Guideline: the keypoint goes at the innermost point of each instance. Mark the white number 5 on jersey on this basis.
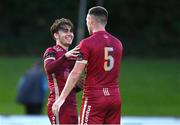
(108, 58)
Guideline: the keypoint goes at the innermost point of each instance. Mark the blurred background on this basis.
(149, 31)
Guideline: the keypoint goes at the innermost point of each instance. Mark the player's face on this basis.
(89, 23)
(65, 35)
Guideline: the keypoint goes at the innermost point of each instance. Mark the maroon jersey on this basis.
(101, 103)
(102, 52)
(57, 68)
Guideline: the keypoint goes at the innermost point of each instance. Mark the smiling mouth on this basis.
(69, 37)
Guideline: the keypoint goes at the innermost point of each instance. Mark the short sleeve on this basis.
(49, 54)
(84, 53)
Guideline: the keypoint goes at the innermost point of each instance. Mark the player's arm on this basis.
(51, 63)
(74, 76)
(80, 83)
(72, 79)
(70, 83)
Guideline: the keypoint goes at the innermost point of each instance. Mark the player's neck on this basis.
(63, 46)
(99, 28)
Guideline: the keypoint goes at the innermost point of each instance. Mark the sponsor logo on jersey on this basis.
(87, 115)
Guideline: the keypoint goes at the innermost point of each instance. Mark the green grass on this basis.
(148, 87)
(10, 71)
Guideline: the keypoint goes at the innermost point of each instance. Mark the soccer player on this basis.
(58, 62)
(101, 54)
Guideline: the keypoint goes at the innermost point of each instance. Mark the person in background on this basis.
(32, 88)
(58, 62)
(101, 54)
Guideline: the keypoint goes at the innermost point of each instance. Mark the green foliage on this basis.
(146, 28)
(27, 24)
(148, 87)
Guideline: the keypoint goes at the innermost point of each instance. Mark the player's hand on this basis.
(72, 53)
(57, 105)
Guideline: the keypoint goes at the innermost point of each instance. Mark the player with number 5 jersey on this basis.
(102, 53)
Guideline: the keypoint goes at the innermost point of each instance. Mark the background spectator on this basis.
(31, 90)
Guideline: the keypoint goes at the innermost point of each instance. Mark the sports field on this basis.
(149, 87)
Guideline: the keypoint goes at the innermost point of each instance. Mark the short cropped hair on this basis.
(100, 12)
(59, 23)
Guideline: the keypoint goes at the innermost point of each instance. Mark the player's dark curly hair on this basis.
(59, 23)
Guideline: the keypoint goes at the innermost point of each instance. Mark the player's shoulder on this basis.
(87, 40)
(49, 51)
(55, 48)
(115, 39)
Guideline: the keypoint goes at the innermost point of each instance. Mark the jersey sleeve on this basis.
(49, 55)
(84, 53)
(51, 62)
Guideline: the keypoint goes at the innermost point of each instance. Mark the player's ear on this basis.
(92, 20)
(55, 35)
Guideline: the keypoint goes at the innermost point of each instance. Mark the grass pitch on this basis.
(148, 86)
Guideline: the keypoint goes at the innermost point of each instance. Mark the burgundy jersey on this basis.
(102, 52)
(57, 68)
(101, 103)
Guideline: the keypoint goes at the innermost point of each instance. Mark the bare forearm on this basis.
(70, 83)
